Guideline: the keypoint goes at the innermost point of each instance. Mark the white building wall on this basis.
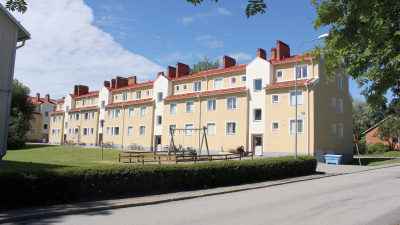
(46, 119)
(105, 96)
(160, 85)
(67, 106)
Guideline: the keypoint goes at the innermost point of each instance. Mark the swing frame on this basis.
(172, 143)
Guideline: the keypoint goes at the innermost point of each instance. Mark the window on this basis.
(333, 79)
(299, 97)
(218, 83)
(69, 131)
(340, 105)
(197, 86)
(279, 74)
(177, 87)
(124, 96)
(173, 108)
(257, 114)
(142, 130)
(116, 113)
(85, 131)
(211, 105)
(92, 115)
(257, 84)
(83, 102)
(109, 113)
(91, 131)
(230, 128)
(70, 116)
(184, 87)
(67, 108)
(334, 128)
(34, 120)
(301, 71)
(130, 131)
(76, 116)
(93, 101)
(211, 129)
(243, 79)
(143, 111)
(274, 98)
(65, 125)
(233, 80)
(188, 132)
(293, 127)
(131, 112)
(159, 120)
(190, 107)
(171, 126)
(76, 131)
(339, 81)
(116, 97)
(115, 131)
(53, 132)
(159, 96)
(333, 102)
(32, 131)
(340, 130)
(86, 116)
(108, 130)
(46, 113)
(147, 93)
(103, 103)
(60, 106)
(138, 94)
(275, 126)
(231, 103)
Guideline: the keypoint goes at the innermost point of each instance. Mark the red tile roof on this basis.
(208, 72)
(130, 102)
(150, 82)
(35, 101)
(288, 59)
(58, 111)
(290, 83)
(88, 94)
(60, 100)
(83, 108)
(206, 93)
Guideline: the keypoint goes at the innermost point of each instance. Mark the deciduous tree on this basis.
(389, 131)
(16, 5)
(204, 65)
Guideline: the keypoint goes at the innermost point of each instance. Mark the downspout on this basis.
(199, 116)
(80, 126)
(123, 123)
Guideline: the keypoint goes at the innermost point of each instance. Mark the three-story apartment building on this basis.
(40, 123)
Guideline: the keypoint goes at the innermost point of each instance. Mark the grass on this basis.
(375, 161)
(386, 154)
(37, 156)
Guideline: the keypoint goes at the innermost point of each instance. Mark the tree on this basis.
(20, 115)
(253, 6)
(364, 41)
(389, 131)
(362, 117)
(205, 65)
(19, 5)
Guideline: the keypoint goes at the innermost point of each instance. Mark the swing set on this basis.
(172, 131)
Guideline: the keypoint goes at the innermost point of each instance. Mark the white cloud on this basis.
(241, 56)
(213, 13)
(175, 57)
(210, 41)
(67, 49)
(186, 20)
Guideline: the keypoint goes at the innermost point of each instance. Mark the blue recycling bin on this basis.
(335, 159)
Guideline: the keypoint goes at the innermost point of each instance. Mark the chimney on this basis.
(112, 83)
(261, 53)
(228, 62)
(282, 50)
(273, 53)
(171, 71)
(182, 69)
(47, 97)
(121, 82)
(131, 80)
(160, 74)
(38, 96)
(81, 89)
(106, 83)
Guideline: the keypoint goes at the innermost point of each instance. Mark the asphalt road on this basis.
(370, 197)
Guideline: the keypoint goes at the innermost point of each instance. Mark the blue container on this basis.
(335, 159)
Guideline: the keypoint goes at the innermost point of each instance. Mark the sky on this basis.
(89, 41)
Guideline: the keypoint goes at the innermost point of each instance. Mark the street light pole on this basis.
(295, 92)
(102, 137)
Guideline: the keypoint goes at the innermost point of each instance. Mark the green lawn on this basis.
(386, 154)
(375, 161)
(36, 156)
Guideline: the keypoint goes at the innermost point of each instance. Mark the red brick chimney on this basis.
(47, 98)
(106, 83)
(282, 50)
(182, 69)
(171, 71)
(81, 90)
(121, 82)
(228, 62)
(132, 80)
(160, 74)
(112, 83)
(38, 96)
(261, 53)
(273, 53)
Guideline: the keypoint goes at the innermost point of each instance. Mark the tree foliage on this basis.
(362, 116)
(253, 7)
(204, 65)
(16, 5)
(389, 131)
(20, 116)
(364, 41)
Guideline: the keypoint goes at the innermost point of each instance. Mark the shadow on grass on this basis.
(368, 161)
(14, 166)
(30, 146)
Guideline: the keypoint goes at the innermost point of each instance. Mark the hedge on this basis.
(27, 188)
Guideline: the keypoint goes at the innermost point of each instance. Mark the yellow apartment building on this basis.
(40, 123)
(250, 105)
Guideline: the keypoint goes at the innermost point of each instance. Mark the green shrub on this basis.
(378, 148)
(362, 147)
(25, 188)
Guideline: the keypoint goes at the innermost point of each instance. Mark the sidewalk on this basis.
(324, 170)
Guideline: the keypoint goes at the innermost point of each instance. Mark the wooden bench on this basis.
(81, 144)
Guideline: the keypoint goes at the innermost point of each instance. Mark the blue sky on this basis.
(87, 42)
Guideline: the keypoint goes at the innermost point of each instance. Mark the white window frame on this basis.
(65, 124)
(91, 131)
(32, 129)
(340, 81)
(226, 127)
(215, 105)
(113, 131)
(277, 74)
(147, 92)
(140, 130)
(333, 128)
(158, 123)
(243, 80)
(340, 103)
(272, 126)
(115, 97)
(54, 119)
(194, 85)
(233, 80)
(85, 131)
(114, 113)
(76, 117)
(127, 131)
(177, 87)
(93, 101)
(108, 130)
(91, 115)
(272, 98)
(189, 132)
(254, 84)
(184, 87)
(254, 115)
(186, 107)
(76, 131)
(301, 73)
(215, 131)
(102, 104)
(86, 116)
(221, 85)
(83, 102)
(138, 95)
(109, 113)
(141, 110)
(131, 111)
(298, 121)
(227, 102)
(340, 130)
(333, 102)
(169, 127)
(159, 96)
(35, 120)
(125, 96)
(298, 102)
(170, 108)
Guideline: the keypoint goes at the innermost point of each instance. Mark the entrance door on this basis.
(157, 143)
(65, 138)
(257, 144)
(45, 138)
